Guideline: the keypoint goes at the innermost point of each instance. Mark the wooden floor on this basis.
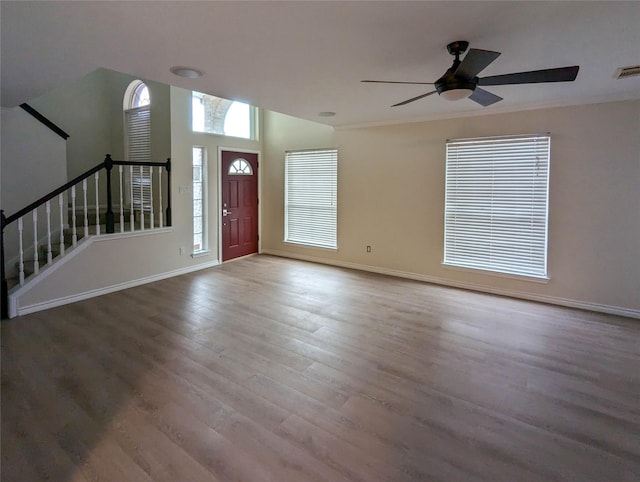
(271, 369)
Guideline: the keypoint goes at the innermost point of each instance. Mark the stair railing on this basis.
(70, 186)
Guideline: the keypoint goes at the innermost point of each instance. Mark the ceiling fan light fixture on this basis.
(450, 88)
(456, 94)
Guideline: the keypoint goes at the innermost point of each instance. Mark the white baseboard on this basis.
(554, 300)
(23, 310)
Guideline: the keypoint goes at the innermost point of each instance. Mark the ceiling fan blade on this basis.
(414, 99)
(562, 74)
(396, 82)
(474, 62)
(483, 97)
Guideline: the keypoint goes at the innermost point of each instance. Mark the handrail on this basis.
(107, 164)
(139, 163)
(27, 108)
(52, 194)
(56, 192)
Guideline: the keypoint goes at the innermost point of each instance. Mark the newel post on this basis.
(110, 221)
(5, 289)
(168, 215)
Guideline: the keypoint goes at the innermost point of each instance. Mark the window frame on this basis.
(306, 233)
(496, 208)
(204, 249)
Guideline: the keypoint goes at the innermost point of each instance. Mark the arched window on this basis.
(240, 167)
(137, 130)
(136, 95)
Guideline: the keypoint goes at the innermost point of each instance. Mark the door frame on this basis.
(219, 196)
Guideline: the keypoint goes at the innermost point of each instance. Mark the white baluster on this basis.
(86, 216)
(49, 254)
(160, 170)
(131, 219)
(97, 176)
(36, 265)
(141, 173)
(121, 204)
(21, 264)
(151, 197)
(74, 233)
(61, 204)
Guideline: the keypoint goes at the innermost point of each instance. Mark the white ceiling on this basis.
(301, 58)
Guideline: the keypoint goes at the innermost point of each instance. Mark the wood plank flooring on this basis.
(267, 369)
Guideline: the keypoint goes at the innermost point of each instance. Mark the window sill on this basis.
(314, 246)
(519, 277)
(200, 254)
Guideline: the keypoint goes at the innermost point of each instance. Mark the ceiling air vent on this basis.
(624, 72)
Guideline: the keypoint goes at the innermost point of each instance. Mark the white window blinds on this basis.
(496, 204)
(138, 122)
(311, 184)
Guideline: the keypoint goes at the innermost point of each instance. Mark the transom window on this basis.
(240, 167)
(215, 115)
(496, 204)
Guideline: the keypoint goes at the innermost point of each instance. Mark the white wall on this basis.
(80, 109)
(116, 85)
(182, 141)
(90, 110)
(29, 147)
(33, 164)
(391, 196)
(108, 264)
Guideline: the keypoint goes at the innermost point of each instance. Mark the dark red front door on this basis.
(239, 204)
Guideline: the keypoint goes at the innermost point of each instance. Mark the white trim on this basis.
(311, 246)
(201, 253)
(497, 274)
(110, 289)
(219, 189)
(600, 99)
(16, 292)
(133, 234)
(553, 300)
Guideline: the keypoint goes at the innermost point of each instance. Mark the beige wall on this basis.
(391, 196)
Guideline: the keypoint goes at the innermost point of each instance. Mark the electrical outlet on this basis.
(182, 251)
(368, 249)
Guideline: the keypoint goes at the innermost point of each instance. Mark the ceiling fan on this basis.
(461, 80)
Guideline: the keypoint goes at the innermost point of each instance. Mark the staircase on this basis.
(45, 259)
(83, 219)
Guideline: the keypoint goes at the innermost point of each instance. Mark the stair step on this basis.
(91, 217)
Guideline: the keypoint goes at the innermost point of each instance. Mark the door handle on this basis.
(225, 212)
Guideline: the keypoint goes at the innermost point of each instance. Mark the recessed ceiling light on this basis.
(326, 114)
(188, 72)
